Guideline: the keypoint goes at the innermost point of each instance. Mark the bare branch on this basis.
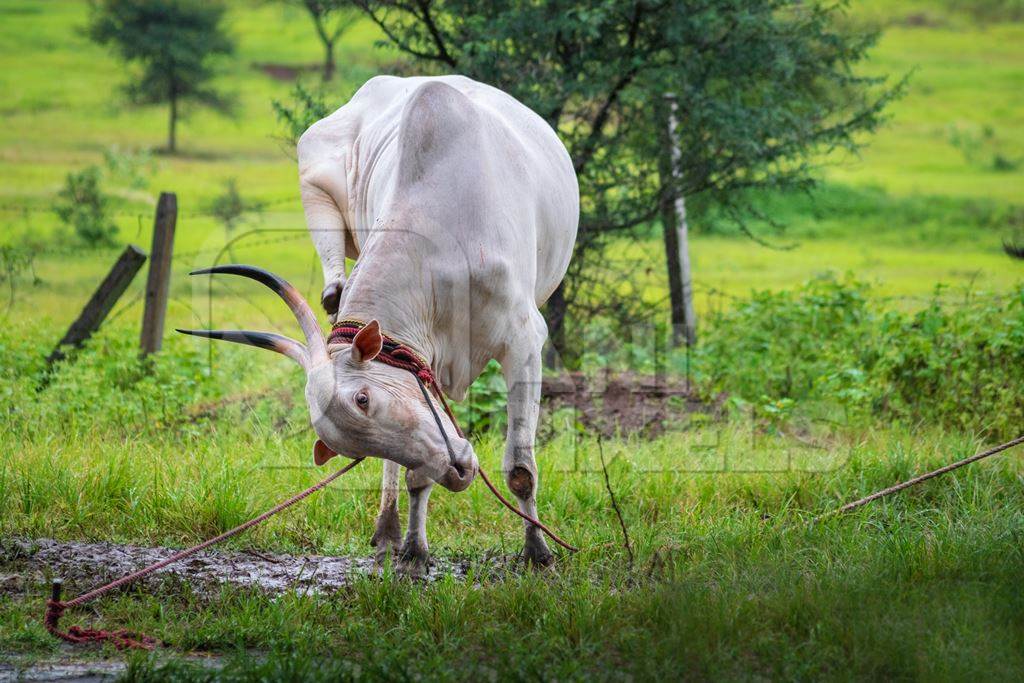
(615, 505)
(428, 21)
(370, 12)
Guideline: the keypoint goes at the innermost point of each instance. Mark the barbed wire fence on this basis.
(718, 301)
(183, 261)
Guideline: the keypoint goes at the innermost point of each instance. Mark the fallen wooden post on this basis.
(159, 280)
(103, 299)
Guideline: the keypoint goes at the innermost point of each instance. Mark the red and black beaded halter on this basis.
(401, 356)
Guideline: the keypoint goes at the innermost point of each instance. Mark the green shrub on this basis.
(106, 386)
(306, 108)
(16, 260)
(957, 363)
(484, 407)
(230, 208)
(83, 205)
(133, 168)
(983, 149)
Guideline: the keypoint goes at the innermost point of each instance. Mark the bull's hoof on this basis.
(413, 561)
(536, 553)
(330, 298)
(387, 536)
(384, 548)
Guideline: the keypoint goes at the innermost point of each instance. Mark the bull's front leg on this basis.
(414, 557)
(522, 370)
(327, 230)
(387, 533)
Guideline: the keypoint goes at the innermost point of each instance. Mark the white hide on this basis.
(461, 206)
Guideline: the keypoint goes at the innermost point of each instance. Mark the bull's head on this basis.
(358, 407)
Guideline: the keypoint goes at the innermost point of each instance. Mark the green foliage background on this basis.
(888, 337)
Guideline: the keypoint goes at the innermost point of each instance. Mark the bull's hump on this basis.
(437, 121)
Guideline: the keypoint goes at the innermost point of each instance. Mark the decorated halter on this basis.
(401, 356)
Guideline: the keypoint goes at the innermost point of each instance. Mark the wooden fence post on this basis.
(158, 282)
(103, 299)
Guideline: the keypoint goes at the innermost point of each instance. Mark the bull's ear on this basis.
(322, 453)
(367, 343)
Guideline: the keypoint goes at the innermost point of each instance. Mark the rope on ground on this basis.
(122, 639)
(918, 479)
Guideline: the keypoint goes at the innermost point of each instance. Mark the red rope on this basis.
(397, 354)
(126, 639)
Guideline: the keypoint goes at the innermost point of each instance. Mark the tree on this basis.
(175, 43)
(331, 18)
(764, 88)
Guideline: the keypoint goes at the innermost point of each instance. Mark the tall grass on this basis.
(730, 579)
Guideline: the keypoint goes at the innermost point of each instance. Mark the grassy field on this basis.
(729, 578)
(912, 211)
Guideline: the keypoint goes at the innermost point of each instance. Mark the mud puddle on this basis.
(71, 669)
(83, 565)
(65, 671)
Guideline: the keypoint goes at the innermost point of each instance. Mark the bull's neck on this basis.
(383, 287)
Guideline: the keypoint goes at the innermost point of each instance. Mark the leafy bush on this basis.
(15, 261)
(957, 363)
(106, 385)
(84, 206)
(131, 167)
(983, 149)
(230, 208)
(484, 407)
(306, 108)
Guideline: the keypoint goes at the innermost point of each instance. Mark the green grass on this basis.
(729, 582)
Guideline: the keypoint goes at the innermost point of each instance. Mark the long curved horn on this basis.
(315, 344)
(264, 340)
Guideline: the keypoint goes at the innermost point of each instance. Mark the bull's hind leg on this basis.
(522, 370)
(414, 557)
(387, 534)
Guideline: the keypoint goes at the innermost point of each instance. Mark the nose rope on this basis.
(440, 425)
(399, 355)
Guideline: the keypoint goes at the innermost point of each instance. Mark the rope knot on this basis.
(425, 375)
(54, 611)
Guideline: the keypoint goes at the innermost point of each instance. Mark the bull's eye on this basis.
(362, 400)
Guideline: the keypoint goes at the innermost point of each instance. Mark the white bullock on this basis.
(459, 206)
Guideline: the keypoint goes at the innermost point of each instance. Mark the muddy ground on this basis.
(63, 670)
(628, 403)
(28, 563)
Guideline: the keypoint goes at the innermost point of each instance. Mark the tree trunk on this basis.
(172, 124)
(675, 282)
(676, 237)
(329, 63)
(554, 315)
